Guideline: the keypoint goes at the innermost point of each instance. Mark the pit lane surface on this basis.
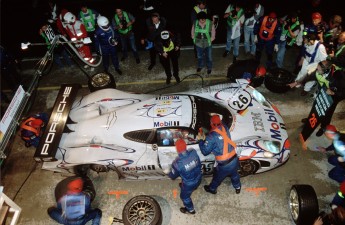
(264, 197)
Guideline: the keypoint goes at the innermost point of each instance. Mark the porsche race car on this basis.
(134, 134)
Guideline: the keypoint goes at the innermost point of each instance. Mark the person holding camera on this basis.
(123, 23)
(234, 16)
(290, 31)
(337, 56)
(332, 33)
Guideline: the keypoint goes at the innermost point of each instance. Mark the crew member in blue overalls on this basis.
(339, 198)
(188, 166)
(107, 39)
(219, 142)
(337, 160)
(32, 129)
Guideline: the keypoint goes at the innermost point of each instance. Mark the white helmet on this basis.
(69, 18)
(103, 23)
(165, 35)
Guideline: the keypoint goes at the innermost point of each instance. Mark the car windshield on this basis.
(204, 109)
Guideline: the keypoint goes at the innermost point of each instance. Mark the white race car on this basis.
(134, 134)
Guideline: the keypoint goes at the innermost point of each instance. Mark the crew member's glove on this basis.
(276, 48)
(201, 136)
(166, 171)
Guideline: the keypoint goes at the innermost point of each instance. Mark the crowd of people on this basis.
(320, 62)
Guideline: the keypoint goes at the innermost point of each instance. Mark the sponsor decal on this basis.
(161, 111)
(173, 97)
(194, 112)
(257, 122)
(274, 128)
(166, 123)
(138, 168)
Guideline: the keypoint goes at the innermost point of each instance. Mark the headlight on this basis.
(260, 98)
(271, 147)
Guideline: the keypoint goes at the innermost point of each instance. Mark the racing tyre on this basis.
(142, 210)
(276, 80)
(303, 204)
(248, 167)
(101, 81)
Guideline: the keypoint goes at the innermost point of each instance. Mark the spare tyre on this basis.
(303, 205)
(142, 209)
(101, 81)
(276, 80)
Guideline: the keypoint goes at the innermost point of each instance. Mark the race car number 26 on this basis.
(240, 101)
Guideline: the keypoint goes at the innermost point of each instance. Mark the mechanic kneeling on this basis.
(32, 129)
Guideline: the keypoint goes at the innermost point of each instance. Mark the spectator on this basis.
(235, 18)
(337, 160)
(89, 17)
(200, 6)
(75, 206)
(203, 34)
(314, 52)
(123, 23)
(188, 166)
(155, 25)
(288, 37)
(259, 11)
(337, 56)
(332, 33)
(219, 142)
(106, 39)
(168, 48)
(248, 31)
(318, 27)
(268, 31)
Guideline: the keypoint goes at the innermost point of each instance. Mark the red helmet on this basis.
(260, 71)
(215, 120)
(330, 129)
(316, 16)
(272, 15)
(75, 186)
(180, 145)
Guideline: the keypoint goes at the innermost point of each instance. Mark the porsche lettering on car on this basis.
(134, 134)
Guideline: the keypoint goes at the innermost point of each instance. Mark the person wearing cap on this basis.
(313, 53)
(74, 207)
(32, 128)
(290, 31)
(337, 160)
(154, 26)
(219, 143)
(249, 69)
(203, 34)
(123, 22)
(168, 49)
(187, 165)
(339, 198)
(268, 31)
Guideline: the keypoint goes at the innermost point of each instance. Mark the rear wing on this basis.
(50, 139)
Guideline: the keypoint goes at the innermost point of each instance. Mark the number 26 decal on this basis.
(240, 101)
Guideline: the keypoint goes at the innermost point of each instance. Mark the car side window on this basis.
(168, 136)
(165, 137)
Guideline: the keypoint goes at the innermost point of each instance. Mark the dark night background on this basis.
(21, 20)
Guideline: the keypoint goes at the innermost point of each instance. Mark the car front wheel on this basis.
(248, 167)
(101, 81)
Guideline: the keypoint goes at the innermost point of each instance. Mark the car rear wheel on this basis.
(248, 167)
(99, 168)
(276, 80)
(101, 81)
(303, 204)
(142, 210)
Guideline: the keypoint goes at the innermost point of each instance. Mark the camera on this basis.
(331, 47)
(320, 28)
(124, 23)
(288, 24)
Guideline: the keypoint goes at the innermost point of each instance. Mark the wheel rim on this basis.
(100, 80)
(294, 205)
(141, 213)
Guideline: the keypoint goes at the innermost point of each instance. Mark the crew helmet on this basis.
(316, 16)
(69, 18)
(103, 23)
(260, 71)
(36, 123)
